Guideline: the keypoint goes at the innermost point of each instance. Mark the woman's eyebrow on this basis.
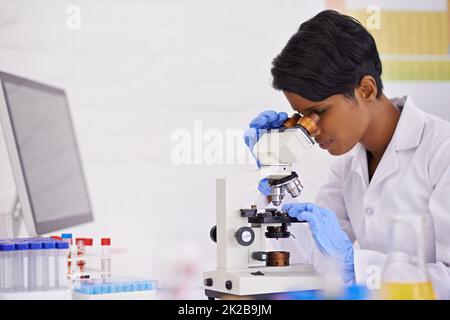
(312, 107)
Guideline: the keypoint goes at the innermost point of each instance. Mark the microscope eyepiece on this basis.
(309, 124)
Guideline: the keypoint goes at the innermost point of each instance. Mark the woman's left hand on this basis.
(327, 232)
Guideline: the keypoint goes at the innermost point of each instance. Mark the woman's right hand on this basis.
(268, 119)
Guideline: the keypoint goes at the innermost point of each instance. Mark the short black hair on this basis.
(329, 54)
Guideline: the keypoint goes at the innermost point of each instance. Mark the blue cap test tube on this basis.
(33, 264)
(19, 265)
(35, 271)
(48, 263)
(68, 237)
(61, 268)
(6, 266)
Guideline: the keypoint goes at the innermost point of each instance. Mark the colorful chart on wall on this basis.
(412, 36)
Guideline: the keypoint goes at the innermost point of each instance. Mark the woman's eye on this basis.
(321, 111)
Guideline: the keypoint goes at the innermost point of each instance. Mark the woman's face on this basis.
(342, 121)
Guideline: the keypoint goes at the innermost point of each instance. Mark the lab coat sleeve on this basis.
(439, 207)
(330, 196)
(369, 264)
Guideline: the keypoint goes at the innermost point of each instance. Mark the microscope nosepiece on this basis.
(290, 184)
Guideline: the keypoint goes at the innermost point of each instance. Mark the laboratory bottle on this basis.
(405, 275)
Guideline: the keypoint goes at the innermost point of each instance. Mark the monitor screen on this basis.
(48, 153)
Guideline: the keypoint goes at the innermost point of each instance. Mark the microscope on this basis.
(244, 267)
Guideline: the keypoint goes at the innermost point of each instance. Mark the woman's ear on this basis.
(367, 90)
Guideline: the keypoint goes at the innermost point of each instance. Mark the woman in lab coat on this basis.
(393, 157)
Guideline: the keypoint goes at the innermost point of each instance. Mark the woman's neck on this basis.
(384, 119)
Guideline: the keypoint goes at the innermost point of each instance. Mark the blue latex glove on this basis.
(264, 187)
(327, 232)
(268, 119)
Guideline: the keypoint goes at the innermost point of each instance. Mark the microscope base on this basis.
(259, 281)
(212, 295)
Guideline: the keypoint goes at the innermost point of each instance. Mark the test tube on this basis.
(2, 271)
(35, 271)
(67, 237)
(80, 254)
(48, 263)
(106, 258)
(62, 249)
(88, 242)
(6, 265)
(21, 266)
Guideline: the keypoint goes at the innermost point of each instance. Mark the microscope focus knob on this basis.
(259, 255)
(245, 236)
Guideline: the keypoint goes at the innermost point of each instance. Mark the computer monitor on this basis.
(43, 154)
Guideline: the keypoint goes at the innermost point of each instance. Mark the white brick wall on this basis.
(134, 72)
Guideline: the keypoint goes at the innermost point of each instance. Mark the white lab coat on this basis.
(413, 177)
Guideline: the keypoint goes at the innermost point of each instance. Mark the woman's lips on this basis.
(324, 144)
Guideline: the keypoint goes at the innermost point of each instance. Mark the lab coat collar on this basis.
(406, 136)
(410, 126)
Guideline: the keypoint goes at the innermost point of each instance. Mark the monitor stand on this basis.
(11, 220)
